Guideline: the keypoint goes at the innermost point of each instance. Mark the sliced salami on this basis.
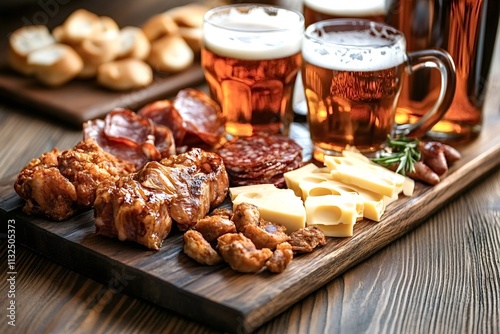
(131, 137)
(260, 159)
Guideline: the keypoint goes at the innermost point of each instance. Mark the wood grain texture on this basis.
(219, 296)
(441, 278)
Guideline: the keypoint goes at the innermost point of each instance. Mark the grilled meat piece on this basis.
(141, 206)
(58, 184)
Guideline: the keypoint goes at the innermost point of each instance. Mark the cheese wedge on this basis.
(235, 191)
(331, 209)
(365, 175)
(372, 204)
(280, 206)
(293, 178)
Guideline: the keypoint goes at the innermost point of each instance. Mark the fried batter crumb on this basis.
(199, 249)
(241, 254)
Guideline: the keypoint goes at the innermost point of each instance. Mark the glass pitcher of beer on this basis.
(352, 75)
(467, 30)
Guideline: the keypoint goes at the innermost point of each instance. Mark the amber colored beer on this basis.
(255, 95)
(350, 108)
(467, 30)
(351, 91)
(250, 65)
(319, 10)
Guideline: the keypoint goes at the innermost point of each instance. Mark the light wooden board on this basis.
(218, 296)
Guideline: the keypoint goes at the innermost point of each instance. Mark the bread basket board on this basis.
(218, 296)
(81, 100)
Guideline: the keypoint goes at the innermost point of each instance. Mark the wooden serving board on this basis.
(81, 100)
(218, 296)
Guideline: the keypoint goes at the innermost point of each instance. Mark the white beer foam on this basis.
(348, 8)
(276, 37)
(370, 53)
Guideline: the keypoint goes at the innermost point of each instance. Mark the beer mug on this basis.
(251, 55)
(467, 30)
(320, 10)
(352, 75)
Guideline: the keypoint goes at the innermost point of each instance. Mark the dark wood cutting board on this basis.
(218, 296)
(81, 100)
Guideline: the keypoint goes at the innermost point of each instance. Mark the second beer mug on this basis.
(352, 73)
(251, 57)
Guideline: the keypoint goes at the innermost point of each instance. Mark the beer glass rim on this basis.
(210, 13)
(396, 35)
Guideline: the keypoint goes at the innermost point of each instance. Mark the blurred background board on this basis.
(81, 100)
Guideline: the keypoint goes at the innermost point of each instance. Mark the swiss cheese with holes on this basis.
(280, 206)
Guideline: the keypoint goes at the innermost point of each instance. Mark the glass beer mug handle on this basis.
(442, 61)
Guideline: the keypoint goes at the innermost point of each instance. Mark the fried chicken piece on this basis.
(199, 249)
(212, 227)
(58, 184)
(129, 211)
(200, 182)
(245, 214)
(265, 234)
(141, 206)
(240, 253)
(280, 259)
(305, 240)
(45, 190)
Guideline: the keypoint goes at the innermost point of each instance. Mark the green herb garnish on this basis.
(402, 152)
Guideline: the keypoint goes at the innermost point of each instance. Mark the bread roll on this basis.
(25, 40)
(124, 74)
(159, 26)
(81, 24)
(190, 15)
(170, 54)
(133, 43)
(55, 64)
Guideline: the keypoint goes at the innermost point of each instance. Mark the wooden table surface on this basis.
(442, 277)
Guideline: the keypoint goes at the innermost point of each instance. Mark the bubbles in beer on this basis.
(367, 50)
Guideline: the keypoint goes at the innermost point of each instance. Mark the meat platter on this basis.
(218, 296)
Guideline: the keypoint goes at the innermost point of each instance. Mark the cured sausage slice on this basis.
(194, 118)
(260, 159)
(131, 137)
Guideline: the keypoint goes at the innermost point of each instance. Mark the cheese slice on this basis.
(331, 209)
(279, 206)
(365, 175)
(293, 178)
(369, 204)
(235, 191)
(339, 230)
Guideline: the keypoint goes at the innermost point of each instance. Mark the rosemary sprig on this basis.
(402, 152)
